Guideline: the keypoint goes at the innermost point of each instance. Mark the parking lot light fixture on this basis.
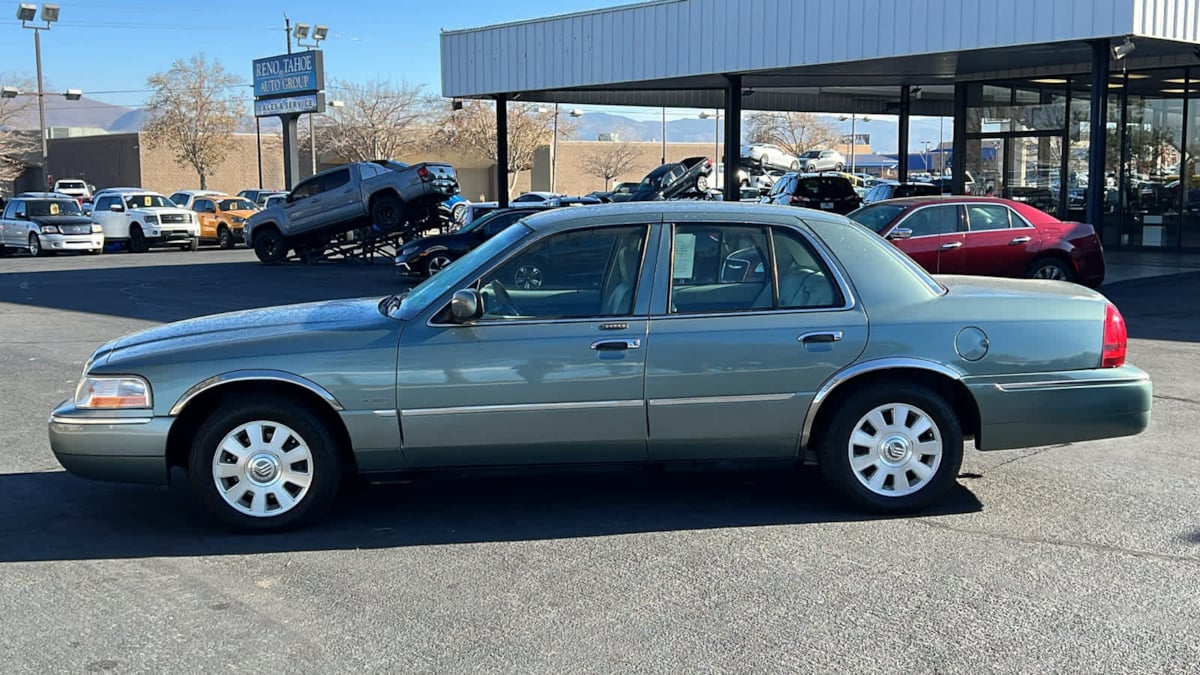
(49, 13)
(26, 12)
(9, 92)
(73, 94)
(301, 31)
(319, 32)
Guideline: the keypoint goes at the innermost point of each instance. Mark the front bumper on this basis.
(126, 446)
(72, 242)
(409, 267)
(1022, 411)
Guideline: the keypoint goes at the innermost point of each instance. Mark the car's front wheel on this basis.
(387, 212)
(436, 263)
(35, 246)
(264, 464)
(892, 448)
(269, 246)
(137, 240)
(224, 237)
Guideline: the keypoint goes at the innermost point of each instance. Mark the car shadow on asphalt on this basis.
(167, 293)
(1159, 308)
(56, 516)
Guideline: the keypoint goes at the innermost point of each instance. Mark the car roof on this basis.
(625, 213)
(198, 193)
(44, 195)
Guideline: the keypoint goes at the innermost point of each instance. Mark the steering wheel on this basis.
(504, 303)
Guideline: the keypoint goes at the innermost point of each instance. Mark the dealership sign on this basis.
(289, 84)
(290, 105)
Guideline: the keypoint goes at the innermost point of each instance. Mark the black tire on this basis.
(436, 262)
(839, 166)
(35, 246)
(95, 251)
(224, 237)
(833, 447)
(137, 240)
(5, 251)
(269, 246)
(1050, 267)
(193, 245)
(323, 467)
(387, 213)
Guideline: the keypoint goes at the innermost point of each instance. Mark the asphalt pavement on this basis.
(1075, 558)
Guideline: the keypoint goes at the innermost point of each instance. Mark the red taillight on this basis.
(1116, 338)
(423, 173)
(797, 199)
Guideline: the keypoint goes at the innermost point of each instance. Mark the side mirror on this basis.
(21, 216)
(900, 233)
(466, 305)
(116, 207)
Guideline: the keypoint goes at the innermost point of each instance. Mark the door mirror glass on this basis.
(466, 305)
(900, 233)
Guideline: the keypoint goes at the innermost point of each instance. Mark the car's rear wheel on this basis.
(224, 237)
(1049, 268)
(264, 464)
(137, 240)
(795, 166)
(459, 213)
(892, 448)
(387, 213)
(436, 263)
(269, 246)
(701, 183)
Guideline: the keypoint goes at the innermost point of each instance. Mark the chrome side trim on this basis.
(250, 376)
(62, 419)
(1065, 384)
(520, 407)
(850, 372)
(693, 400)
(384, 413)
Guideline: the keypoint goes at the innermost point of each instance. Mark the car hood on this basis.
(250, 325)
(244, 213)
(60, 220)
(271, 213)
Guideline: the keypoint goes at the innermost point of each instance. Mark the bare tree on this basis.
(377, 120)
(194, 111)
(473, 129)
(795, 132)
(610, 159)
(16, 144)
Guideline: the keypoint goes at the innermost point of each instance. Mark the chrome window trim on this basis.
(64, 419)
(848, 299)
(251, 376)
(848, 373)
(748, 398)
(521, 407)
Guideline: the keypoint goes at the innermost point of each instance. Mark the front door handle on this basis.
(1019, 240)
(951, 246)
(821, 336)
(616, 345)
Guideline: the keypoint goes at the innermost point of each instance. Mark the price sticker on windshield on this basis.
(685, 256)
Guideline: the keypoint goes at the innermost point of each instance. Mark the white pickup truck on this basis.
(141, 219)
(346, 198)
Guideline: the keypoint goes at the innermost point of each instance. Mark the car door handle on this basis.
(951, 245)
(615, 345)
(1019, 240)
(821, 336)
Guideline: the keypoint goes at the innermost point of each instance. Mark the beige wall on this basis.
(239, 171)
(572, 179)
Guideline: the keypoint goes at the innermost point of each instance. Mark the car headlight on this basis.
(49, 229)
(151, 219)
(409, 250)
(96, 229)
(124, 391)
(238, 219)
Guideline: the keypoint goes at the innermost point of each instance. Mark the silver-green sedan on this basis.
(625, 333)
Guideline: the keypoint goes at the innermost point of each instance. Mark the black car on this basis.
(430, 255)
(896, 190)
(674, 180)
(814, 191)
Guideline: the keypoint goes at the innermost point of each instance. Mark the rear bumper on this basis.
(1064, 407)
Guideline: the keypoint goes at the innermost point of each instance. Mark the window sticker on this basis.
(685, 255)
(53, 209)
(146, 200)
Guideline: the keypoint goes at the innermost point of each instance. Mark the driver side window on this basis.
(577, 274)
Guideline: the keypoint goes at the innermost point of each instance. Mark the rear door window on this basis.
(983, 217)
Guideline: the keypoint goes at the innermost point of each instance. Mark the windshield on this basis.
(149, 202)
(55, 207)
(481, 221)
(71, 185)
(236, 205)
(663, 175)
(458, 275)
(877, 216)
(811, 154)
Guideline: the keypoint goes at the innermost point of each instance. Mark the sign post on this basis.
(288, 86)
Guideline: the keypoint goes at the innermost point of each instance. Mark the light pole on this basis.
(716, 135)
(664, 135)
(927, 144)
(576, 112)
(26, 13)
(853, 136)
(319, 33)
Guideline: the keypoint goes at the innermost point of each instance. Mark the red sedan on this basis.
(987, 236)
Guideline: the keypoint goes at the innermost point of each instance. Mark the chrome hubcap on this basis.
(438, 263)
(527, 277)
(895, 449)
(1050, 272)
(262, 468)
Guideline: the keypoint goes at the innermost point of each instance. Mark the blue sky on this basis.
(108, 48)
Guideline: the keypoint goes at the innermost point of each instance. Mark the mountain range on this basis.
(884, 131)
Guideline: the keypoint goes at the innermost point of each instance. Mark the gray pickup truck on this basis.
(346, 198)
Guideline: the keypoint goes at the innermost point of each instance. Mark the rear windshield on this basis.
(825, 187)
(877, 216)
(915, 191)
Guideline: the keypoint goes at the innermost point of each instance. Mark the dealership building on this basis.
(1088, 109)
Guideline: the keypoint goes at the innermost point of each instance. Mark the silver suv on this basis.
(815, 161)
